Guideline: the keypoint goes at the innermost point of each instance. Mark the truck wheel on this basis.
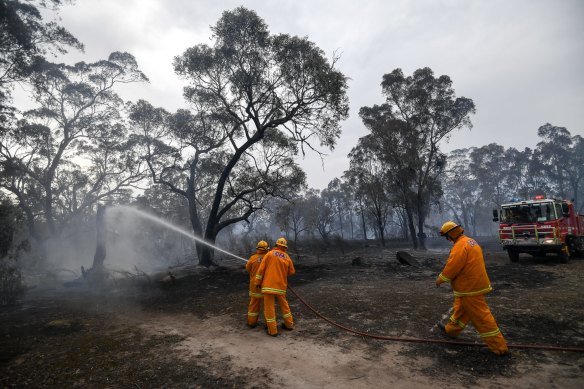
(576, 246)
(513, 255)
(572, 244)
(580, 251)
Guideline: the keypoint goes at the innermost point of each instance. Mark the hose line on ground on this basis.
(425, 340)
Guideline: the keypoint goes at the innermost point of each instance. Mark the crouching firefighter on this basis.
(272, 280)
(255, 297)
(466, 272)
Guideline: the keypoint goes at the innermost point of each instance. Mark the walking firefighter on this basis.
(272, 279)
(466, 272)
(255, 297)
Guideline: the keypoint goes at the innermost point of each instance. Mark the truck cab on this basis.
(540, 226)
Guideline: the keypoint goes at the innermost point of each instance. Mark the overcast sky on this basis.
(521, 61)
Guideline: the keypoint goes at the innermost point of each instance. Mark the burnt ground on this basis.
(146, 333)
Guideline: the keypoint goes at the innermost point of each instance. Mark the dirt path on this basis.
(292, 360)
(298, 360)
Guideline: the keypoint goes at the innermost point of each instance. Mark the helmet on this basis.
(450, 226)
(262, 245)
(282, 242)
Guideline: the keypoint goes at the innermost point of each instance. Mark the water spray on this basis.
(172, 227)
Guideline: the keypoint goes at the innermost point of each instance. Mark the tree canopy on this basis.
(70, 151)
(420, 111)
(25, 40)
(256, 101)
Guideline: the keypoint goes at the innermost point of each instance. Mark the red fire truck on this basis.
(540, 226)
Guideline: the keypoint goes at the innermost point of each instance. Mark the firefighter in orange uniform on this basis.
(255, 297)
(466, 272)
(272, 280)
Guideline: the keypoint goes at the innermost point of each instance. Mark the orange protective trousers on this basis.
(253, 310)
(270, 312)
(474, 309)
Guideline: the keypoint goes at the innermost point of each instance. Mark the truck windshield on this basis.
(528, 213)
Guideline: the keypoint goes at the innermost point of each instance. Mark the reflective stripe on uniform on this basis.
(457, 322)
(259, 277)
(287, 315)
(273, 290)
(253, 314)
(271, 320)
(256, 295)
(443, 278)
(492, 333)
(475, 293)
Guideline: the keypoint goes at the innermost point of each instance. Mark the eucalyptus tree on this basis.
(517, 177)
(70, 151)
(357, 201)
(421, 111)
(187, 154)
(554, 149)
(562, 158)
(460, 186)
(393, 145)
(491, 168)
(370, 177)
(350, 205)
(340, 195)
(25, 39)
(319, 216)
(257, 100)
(293, 218)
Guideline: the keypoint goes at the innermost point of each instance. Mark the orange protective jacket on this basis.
(252, 267)
(273, 272)
(465, 269)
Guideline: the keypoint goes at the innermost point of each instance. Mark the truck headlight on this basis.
(549, 241)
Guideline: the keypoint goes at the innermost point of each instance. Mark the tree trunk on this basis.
(421, 233)
(206, 255)
(100, 248)
(352, 224)
(196, 225)
(96, 276)
(381, 232)
(410, 222)
(364, 225)
(421, 220)
(207, 251)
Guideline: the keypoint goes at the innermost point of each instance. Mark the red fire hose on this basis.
(423, 340)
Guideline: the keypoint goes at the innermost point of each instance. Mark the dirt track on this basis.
(191, 333)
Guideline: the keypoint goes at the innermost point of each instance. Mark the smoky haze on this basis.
(133, 245)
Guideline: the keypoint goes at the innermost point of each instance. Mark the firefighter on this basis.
(255, 297)
(465, 271)
(272, 280)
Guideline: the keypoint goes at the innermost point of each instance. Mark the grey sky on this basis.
(520, 61)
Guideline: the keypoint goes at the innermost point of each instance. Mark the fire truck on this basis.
(540, 226)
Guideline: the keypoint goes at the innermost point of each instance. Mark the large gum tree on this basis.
(71, 150)
(419, 113)
(256, 101)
